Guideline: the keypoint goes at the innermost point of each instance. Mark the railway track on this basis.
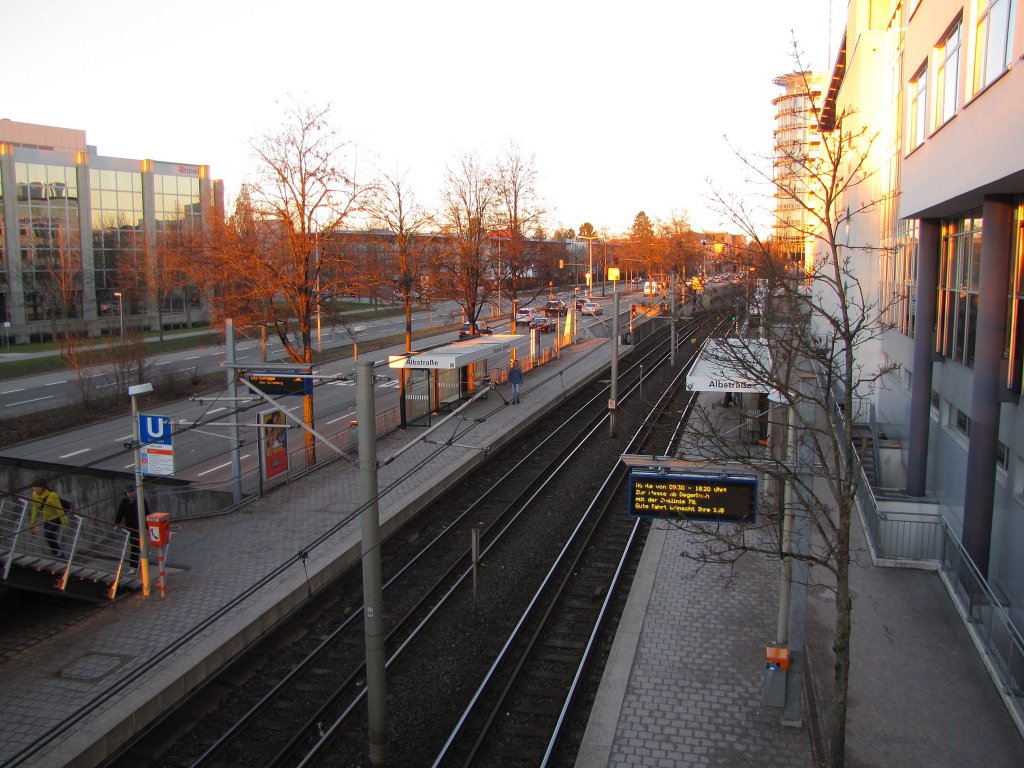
(298, 698)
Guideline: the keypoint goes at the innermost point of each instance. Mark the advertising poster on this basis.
(274, 441)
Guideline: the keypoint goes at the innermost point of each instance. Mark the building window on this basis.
(49, 240)
(962, 422)
(1014, 351)
(947, 76)
(118, 245)
(917, 109)
(959, 272)
(992, 41)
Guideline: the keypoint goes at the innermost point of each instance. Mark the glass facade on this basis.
(959, 271)
(177, 207)
(1015, 306)
(899, 279)
(118, 245)
(50, 241)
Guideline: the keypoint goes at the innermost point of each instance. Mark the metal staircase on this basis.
(97, 551)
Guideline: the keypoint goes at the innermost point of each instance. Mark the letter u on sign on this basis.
(154, 429)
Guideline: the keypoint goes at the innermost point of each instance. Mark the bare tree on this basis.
(274, 261)
(521, 212)
(395, 209)
(817, 319)
(469, 213)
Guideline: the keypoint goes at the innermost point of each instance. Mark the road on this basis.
(201, 429)
(19, 397)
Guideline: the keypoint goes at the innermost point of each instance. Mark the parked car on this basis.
(555, 307)
(482, 329)
(525, 315)
(592, 308)
(544, 324)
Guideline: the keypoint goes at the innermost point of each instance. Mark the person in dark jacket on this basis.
(515, 376)
(128, 516)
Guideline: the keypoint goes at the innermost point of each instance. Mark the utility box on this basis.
(159, 525)
(776, 668)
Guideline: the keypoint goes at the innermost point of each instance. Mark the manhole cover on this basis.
(92, 667)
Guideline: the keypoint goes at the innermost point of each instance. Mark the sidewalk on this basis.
(683, 685)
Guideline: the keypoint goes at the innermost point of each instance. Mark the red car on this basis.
(544, 324)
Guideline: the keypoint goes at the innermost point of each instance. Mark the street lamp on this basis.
(120, 310)
(134, 392)
(590, 245)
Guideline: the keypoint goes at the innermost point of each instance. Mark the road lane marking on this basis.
(227, 464)
(62, 381)
(342, 418)
(12, 391)
(122, 439)
(33, 400)
(75, 453)
(194, 357)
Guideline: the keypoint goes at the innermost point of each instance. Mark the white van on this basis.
(651, 288)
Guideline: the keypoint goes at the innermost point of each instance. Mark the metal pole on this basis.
(672, 321)
(792, 712)
(612, 405)
(590, 242)
(236, 459)
(140, 502)
(373, 619)
(782, 625)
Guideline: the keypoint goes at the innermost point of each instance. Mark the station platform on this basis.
(681, 688)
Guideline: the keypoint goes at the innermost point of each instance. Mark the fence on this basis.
(987, 620)
(343, 437)
(95, 552)
(925, 537)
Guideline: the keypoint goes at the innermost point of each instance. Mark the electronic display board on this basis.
(285, 383)
(714, 498)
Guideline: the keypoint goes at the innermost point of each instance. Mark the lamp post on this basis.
(590, 246)
(134, 392)
(613, 394)
(120, 309)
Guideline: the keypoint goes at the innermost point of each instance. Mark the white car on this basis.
(525, 315)
(591, 308)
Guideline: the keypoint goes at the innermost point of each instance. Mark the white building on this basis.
(939, 84)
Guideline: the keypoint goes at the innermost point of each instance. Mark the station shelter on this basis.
(439, 379)
(739, 369)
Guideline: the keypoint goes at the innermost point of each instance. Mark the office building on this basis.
(87, 240)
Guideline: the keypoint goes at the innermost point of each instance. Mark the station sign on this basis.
(156, 447)
(699, 497)
(282, 383)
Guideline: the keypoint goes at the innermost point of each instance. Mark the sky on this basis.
(623, 107)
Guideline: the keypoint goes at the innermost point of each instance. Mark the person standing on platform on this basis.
(47, 507)
(515, 376)
(128, 516)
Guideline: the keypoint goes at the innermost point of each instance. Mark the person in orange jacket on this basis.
(46, 506)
